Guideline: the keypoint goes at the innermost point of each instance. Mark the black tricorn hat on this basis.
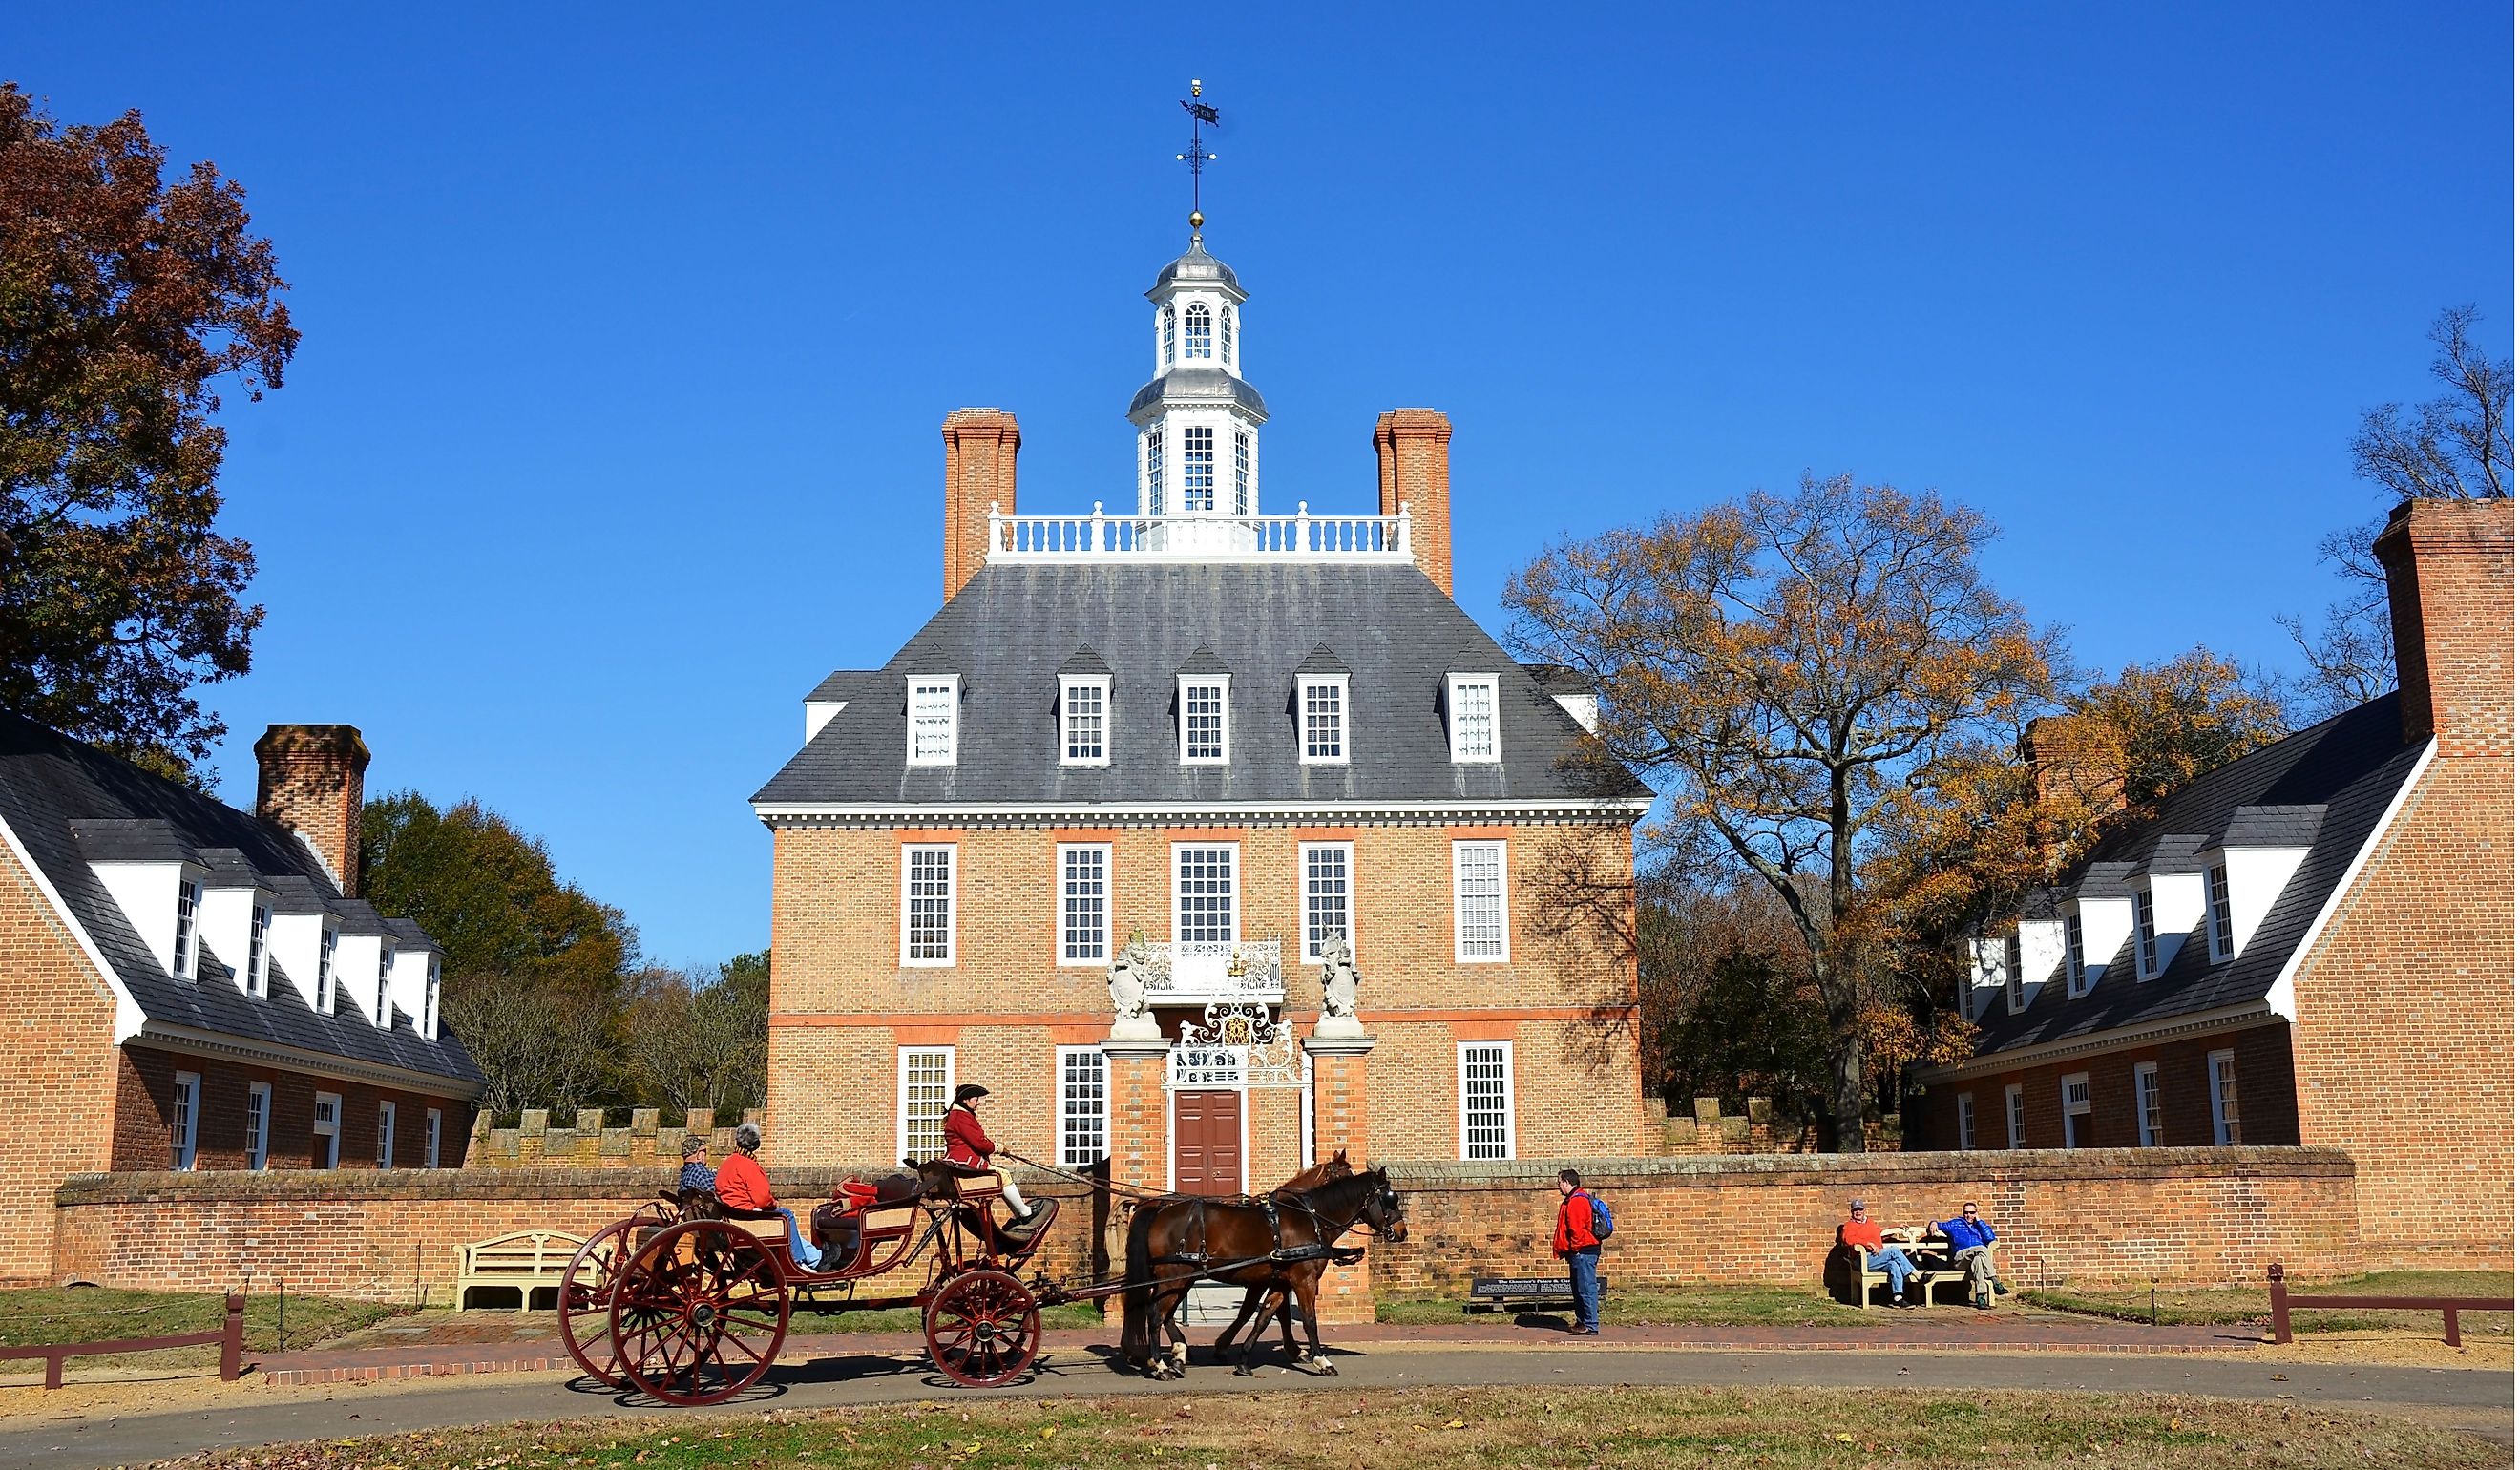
(968, 1091)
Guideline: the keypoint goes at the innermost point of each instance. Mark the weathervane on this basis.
(1201, 116)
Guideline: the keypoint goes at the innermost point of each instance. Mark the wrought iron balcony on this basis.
(1194, 972)
(1197, 536)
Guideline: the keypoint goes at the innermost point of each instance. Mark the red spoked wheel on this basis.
(586, 1301)
(698, 1313)
(983, 1328)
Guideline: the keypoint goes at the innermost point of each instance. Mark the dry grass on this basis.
(2215, 1304)
(1459, 1429)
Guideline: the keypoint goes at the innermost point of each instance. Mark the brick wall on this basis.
(2091, 1216)
(2260, 1053)
(57, 1052)
(144, 1113)
(312, 778)
(1414, 465)
(396, 1234)
(588, 1145)
(980, 447)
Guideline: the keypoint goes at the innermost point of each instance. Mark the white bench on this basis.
(1921, 1283)
(529, 1263)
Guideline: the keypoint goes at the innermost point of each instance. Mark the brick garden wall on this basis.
(2091, 1215)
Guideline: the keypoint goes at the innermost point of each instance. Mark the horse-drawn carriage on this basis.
(689, 1306)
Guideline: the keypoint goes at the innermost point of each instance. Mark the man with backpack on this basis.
(1583, 1222)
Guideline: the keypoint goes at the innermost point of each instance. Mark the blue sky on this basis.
(628, 329)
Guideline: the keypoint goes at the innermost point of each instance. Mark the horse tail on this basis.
(1136, 1329)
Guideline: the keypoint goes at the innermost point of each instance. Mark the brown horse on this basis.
(1176, 1243)
(1335, 1167)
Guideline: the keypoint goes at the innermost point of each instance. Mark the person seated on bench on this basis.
(697, 1178)
(1973, 1251)
(745, 1190)
(967, 1147)
(1860, 1235)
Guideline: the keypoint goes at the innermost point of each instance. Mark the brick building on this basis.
(185, 986)
(1201, 743)
(2312, 944)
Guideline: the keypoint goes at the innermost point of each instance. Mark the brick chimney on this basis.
(2449, 614)
(2069, 761)
(980, 445)
(313, 781)
(1414, 460)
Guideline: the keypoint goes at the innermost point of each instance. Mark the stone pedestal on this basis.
(1339, 1122)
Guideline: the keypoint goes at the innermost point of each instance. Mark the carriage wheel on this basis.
(983, 1328)
(586, 1302)
(698, 1313)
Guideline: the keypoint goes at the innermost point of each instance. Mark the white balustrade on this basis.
(1185, 970)
(1200, 537)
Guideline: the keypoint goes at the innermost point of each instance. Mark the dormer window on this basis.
(1199, 468)
(935, 702)
(2217, 911)
(1325, 707)
(384, 986)
(2012, 989)
(1473, 705)
(1164, 321)
(257, 953)
(1241, 472)
(323, 976)
(187, 909)
(1225, 334)
(2148, 947)
(2077, 979)
(428, 1002)
(1084, 720)
(1197, 340)
(1154, 471)
(1205, 738)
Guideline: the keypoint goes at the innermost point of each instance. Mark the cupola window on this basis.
(1154, 471)
(1165, 318)
(1225, 334)
(1196, 340)
(1199, 468)
(1241, 472)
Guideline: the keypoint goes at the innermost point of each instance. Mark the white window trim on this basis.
(1461, 1097)
(2016, 987)
(1505, 905)
(953, 687)
(2217, 1065)
(1968, 1111)
(1312, 955)
(384, 984)
(257, 949)
(185, 1114)
(2078, 968)
(1068, 683)
(328, 970)
(1232, 890)
(1058, 1111)
(2071, 1110)
(2217, 930)
(430, 996)
(188, 929)
(953, 904)
(901, 1091)
(1059, 882)
(1452, 686)
(2147, 1134)
(386, 1111)
(2147, 936)
(328, 1135)
(1224, 719)
(1304, 687)
(2017, 1117)
(257, 1133)
(433, 1130)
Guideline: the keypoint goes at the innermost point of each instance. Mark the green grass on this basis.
(2221, 1305)
(1451, 1429)
(95, 1314)
(1660, 1307)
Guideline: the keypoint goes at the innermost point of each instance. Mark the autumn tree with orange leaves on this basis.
(1790, 671)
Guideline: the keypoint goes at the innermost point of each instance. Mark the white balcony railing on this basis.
(1187, 971)
(1194, 537)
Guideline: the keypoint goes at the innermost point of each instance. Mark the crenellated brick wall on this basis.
(586, 1143)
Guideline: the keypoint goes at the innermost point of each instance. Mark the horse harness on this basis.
(1320, 1248)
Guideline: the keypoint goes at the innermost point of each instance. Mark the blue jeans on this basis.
(806, 1256)
(1894, 1260)
(1584, 1267)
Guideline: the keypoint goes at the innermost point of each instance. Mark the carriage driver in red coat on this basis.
(967, 1147)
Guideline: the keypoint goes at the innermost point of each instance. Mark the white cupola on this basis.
(1198, 421)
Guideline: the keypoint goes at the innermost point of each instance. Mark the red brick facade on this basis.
(980, 447)
(1414, 465)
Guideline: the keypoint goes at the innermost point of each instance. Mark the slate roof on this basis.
(1012, 626)
(2351, 766)
(67, 801)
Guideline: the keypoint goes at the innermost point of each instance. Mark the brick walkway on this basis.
(1909, 1332)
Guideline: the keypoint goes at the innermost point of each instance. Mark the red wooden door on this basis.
(1207, 1142)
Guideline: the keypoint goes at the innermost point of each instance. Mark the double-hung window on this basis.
(1479, 930)
(1085, 903)
(1206, 740)
(2147, 948)
(927, 1091)
(1241, 472)
(328, 1131)
(2078, 981)
(185, 1118)
(1154, 471)
(325, 981)
(1473, 708)
(428, 994)
(1165, 320)
(257, 1125)
(1969, 1121)
(2013, 991)
(1225, 334)
(2016, 1118)
(1199, 468)
(2147, 1104)
(2078, 1109)
(928, 903)
(1329, 896)
(1487, 1099)
(385, 1134)
(1206, 902)
(1084, 1107)
(258, 951)
(2217, 911)
(1325, 704)
(1084, 720)
(188, 910)
(433, 1129)
(935, 734)
(2223, 1079)
(384, 986)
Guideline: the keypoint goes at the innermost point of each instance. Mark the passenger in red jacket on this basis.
(967, 1143)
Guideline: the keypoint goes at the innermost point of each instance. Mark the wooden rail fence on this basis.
(2448, 1307)
(230, 1337)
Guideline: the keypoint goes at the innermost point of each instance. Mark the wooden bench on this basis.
(529, 1263)
(1489, 1293)
(1921, 1283)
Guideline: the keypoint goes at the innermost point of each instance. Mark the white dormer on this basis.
(1471, 711)
(2040, 946)
(2167, 906)
(935, 735)
(362, 962)
(163, 902)
(1983, 975)
(306, 945)
(1584, 707)
(2247, 869)
(817, 713)
(415, 970)
(2105, 923)
(236, 925)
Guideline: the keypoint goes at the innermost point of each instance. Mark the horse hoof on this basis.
(1330, 1370)
(1243, 1370)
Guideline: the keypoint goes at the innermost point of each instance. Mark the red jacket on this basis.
(741, 1185)
(1574, 1225)
(965, 1142)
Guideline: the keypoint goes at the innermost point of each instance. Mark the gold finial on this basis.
(1197, 219)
